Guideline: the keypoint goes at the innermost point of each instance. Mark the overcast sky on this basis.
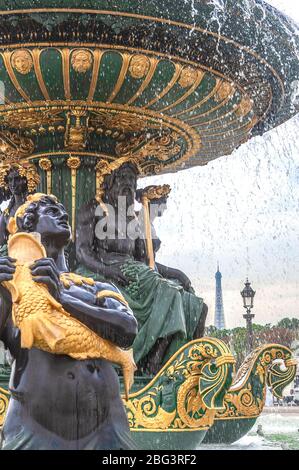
(243, 211)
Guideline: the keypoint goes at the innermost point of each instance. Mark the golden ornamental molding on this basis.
(74, 163)
(124, 52)
(65, 54)
(36, 53)
(13, 147)
(192, 139)
(204, 100)
(139, 66)
(46, 165)
(121, 78)
(169, 86)
(191, 121)
(75, 136)
(22, 62)
(196, 83)
(26, 170)
(188, 77)
(25, 117)
(227, 113)
(218, 36)
(7, 62)
(247, 126)
(81, 60)
(4, 400)
(191, 388)
(195, 137)
(155, 192)
(147, 79)
(221, 105)
(260, 368)
(224, 91)
(97, 57)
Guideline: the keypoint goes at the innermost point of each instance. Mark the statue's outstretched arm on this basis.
(172, 273)
(113, 321)
(96, 263)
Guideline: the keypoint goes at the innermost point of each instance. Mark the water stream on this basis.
(281, 431)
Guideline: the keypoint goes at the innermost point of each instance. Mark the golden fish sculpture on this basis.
(43, 322)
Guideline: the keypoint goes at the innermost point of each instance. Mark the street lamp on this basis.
(248, 294)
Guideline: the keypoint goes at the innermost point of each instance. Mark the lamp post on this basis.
(248, 294)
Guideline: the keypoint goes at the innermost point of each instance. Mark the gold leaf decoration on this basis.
(73, 163)
(224, 91)
(45, 164)
(139, 66)
(258, 370)
(156, 192)
(22, 61)
(27, 119)
(244, 107)
(13, 147)
(81, 60)
(4, 400)
(122, 121)
(188, 77)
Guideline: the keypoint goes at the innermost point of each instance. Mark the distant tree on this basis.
(285, 332)
(239, 343)
(291, 323)
(223, 334)
(211, 330)
(279, 335)
(258, 328)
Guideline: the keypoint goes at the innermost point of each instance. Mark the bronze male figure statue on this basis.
(58, 402)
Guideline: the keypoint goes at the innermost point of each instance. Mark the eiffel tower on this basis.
(219, 311)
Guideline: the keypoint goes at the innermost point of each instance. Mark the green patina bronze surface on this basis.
(172, 67)
(4, 394)
(162, 308)
(269, 365)
(185, 395)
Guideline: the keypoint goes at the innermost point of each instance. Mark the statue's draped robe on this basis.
(161, 306)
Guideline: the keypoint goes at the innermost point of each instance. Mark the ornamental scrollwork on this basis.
(173, 399)
(13, 147)
(21, 61)
(161, 147)
(81, 60)
(268, 365)
(139, 66)
(4, 400)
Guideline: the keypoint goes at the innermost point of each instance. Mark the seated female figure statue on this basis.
(16, 182)
(168, 312)
(58, 402)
